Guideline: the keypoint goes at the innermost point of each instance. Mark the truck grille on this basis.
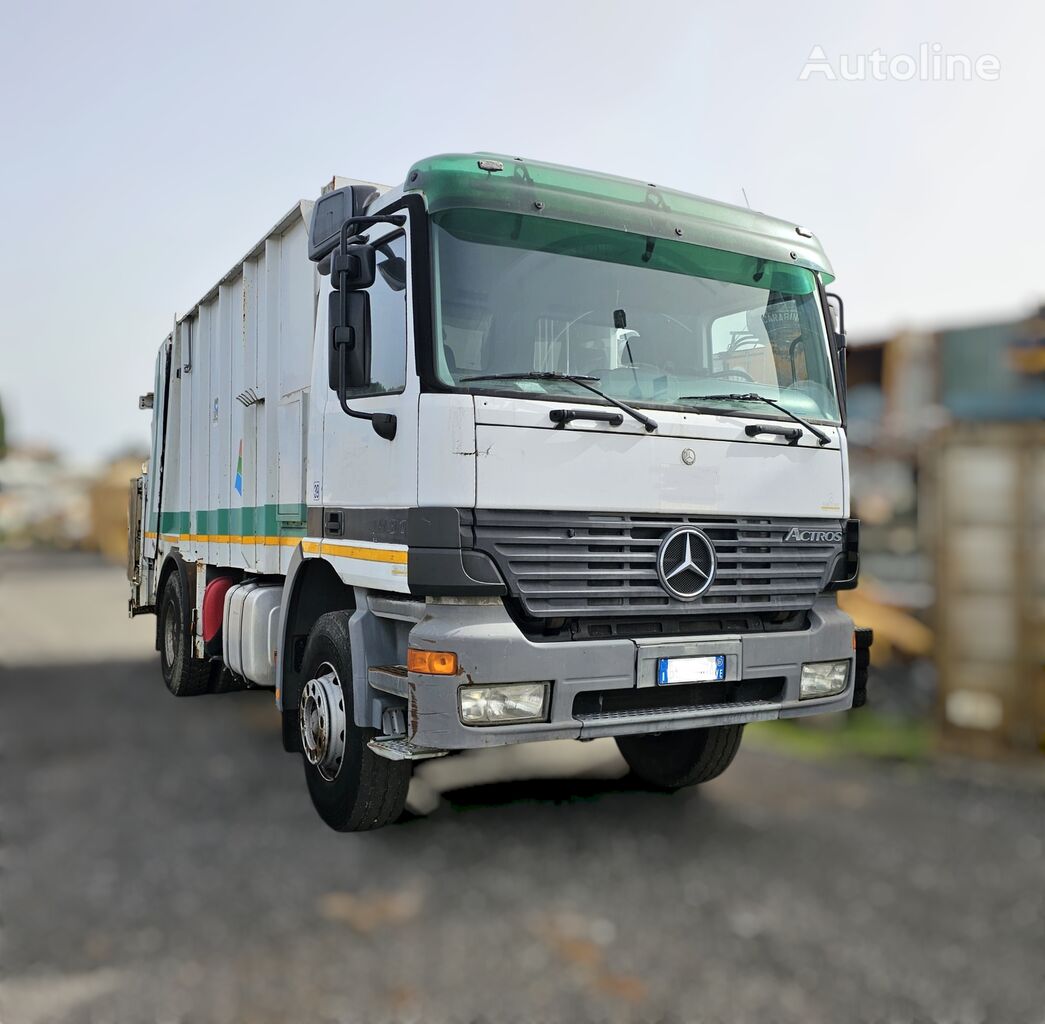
(576, 565)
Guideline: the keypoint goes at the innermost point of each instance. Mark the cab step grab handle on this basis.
(792, 434)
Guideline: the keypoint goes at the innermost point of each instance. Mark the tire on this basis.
(358, 790)
(184, 675)
(674, 760)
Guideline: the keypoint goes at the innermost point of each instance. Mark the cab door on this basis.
(367, 481)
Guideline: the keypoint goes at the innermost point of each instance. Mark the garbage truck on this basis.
(509, 452)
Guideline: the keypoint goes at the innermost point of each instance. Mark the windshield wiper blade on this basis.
(752, 397)
(530, 375)
(583, 380)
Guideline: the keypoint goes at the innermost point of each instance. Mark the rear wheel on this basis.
(352, 788)
(674, 760)
(184, 675)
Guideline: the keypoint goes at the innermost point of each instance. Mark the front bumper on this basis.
(491, 649)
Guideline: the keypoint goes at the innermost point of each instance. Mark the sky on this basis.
(146, 147)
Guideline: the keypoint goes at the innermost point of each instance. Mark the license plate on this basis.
(691, 670)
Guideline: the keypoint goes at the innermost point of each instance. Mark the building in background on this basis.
(946, 442)
(107, 497)
(42, 500)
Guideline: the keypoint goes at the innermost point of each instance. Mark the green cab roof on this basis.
(529, 188)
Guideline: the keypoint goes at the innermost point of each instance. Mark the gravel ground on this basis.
(162, 863)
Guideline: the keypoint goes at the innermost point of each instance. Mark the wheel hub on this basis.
(170, 635)
(321, 716)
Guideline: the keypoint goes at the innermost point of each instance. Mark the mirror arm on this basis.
(384, 423)
(397, 219)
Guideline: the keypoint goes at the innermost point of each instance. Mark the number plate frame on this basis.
(705, 668)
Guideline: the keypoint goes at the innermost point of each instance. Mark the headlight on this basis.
(506, 704)
(823, 678)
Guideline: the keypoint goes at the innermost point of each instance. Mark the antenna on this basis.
(743, 192)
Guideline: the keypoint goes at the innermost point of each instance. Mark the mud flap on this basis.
(863, 639)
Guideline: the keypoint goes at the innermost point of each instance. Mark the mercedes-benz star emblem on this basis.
(686, 563)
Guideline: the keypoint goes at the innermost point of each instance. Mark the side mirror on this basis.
(349, 341)
(353, 269)
(330, 213)
(836, 309)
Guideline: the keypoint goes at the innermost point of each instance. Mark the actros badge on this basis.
(814, 536)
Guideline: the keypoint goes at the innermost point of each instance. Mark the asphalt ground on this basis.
(161, 862)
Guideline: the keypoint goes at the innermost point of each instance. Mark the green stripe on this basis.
(252, 521)
(174, 522)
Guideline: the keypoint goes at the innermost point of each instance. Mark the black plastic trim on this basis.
(376, 525)
(845, 573)
(863, 638)
(438, 527)
(453, 572)
(665, 628)
(424, 527)
(442, 559)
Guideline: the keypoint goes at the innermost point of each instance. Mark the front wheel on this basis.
(352, 788)
(674, 760)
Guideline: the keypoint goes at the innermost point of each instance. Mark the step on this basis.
(612, 723)
(677, 710)
(398, 749)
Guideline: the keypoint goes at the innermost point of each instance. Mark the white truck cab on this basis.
(511, 452)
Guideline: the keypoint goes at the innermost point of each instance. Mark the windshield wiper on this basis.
(752, 397)
(576, 378)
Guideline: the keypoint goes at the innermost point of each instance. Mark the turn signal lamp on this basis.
(431, 663)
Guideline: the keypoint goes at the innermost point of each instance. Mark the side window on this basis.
(388, 321)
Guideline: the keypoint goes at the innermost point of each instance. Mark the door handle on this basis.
(333, 523)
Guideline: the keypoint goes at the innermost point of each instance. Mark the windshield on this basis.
(653, 319)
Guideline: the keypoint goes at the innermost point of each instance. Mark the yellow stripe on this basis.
(351, 551)
(231, 538)
(310, 547)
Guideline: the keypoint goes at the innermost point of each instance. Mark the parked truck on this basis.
(509, 452)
